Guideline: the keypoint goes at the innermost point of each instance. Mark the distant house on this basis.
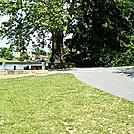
(16, 54)
(30, 51)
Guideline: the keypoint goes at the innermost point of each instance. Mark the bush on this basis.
(8, 55)
(23, 56)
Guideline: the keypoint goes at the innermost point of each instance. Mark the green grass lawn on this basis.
(13, 60)
(61, 104)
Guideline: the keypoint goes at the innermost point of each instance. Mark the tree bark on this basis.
(57, 47)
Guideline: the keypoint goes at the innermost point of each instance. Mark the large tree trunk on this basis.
(57, 47)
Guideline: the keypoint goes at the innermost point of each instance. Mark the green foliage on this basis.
(40, 51)
(2, 51)
(102, 33)
(23, 56)
(48, 55)
(31, 18)
(102, 29)
(13, 60)
(8, 55)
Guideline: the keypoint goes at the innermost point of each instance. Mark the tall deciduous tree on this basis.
(102, 32)
(32, 18)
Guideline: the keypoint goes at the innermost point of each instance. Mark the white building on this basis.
(16, 54)
(30, 51)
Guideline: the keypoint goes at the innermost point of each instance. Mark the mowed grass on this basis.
(61, 104)
(13, 60)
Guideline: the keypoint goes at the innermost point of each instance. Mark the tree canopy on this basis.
(102, 29)
(6, 53)
(29, 20)
(102, 32)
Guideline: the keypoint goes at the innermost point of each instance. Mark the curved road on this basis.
(118, 81)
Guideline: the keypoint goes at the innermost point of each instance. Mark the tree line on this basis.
(102, 30)
(7, 53)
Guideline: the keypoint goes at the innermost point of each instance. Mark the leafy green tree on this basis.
(32, 18)
(40, 51)
(102, 32)
(102, 29)
(37, 50)
(23, 56)
(8, 55)
(2, 51)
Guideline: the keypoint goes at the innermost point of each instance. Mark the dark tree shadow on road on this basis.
(128, 71)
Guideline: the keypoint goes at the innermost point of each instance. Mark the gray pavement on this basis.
(118, 81)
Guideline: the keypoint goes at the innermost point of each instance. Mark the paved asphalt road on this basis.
(117, 81)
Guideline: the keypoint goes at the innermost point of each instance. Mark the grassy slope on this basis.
(59, 103)
(4, 60)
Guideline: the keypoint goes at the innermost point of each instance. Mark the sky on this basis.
(3, 41)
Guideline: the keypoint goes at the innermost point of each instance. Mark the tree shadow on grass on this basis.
(128, 71)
